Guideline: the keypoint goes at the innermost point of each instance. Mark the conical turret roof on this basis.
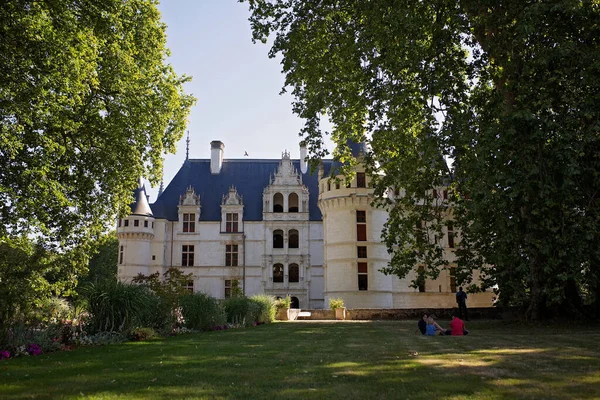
(140, 206)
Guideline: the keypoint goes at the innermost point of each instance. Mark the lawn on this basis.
(324, 360)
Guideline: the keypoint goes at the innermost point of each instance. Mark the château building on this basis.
(272, 226)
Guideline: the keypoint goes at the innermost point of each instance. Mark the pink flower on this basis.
(4, 354)
(34, 349)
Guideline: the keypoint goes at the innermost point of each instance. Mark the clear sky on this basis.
(236, 84)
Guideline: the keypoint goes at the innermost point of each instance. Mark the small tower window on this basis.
(120, 222)
(121, 255)
(293, 203)
(361, 181)
(362, 251)
(145, 224)
(136, 222)
(278, 202)
(363, 276)
(126, 222)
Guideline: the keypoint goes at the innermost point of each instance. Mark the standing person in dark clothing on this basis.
(422, 325)
(461, 300)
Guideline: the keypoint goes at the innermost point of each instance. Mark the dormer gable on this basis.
(285, 193)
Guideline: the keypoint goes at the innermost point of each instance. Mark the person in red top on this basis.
(457, 327)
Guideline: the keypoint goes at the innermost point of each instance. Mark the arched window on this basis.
(295, 302)
(278, 273)
(293, 203)
(278, 202)
(294, 272)
(278, 239)
(294, 239)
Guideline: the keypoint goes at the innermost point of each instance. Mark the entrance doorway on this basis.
(295, 303)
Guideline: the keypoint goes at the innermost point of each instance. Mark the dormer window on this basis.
(189, 222)
(231, 223)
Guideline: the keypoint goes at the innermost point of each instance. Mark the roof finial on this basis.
(161, 188)
(187, 146)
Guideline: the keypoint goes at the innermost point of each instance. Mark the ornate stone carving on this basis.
(286, 174)
(190, 198)
(232, 198)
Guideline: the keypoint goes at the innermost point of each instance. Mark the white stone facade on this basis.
(285, 252)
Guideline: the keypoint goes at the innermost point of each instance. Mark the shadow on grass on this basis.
(332, 361)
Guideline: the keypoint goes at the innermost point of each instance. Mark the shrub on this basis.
(117, 306)
(285, 302)
(141, 334)
(336, 303)
(237, 310)
(266, 308)
(53, 310)
(201, 311)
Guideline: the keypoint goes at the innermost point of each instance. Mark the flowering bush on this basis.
(4, 354)
(33, 349)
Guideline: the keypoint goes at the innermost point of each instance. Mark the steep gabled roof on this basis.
(249, 177)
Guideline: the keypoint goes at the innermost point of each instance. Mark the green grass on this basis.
(324, 360)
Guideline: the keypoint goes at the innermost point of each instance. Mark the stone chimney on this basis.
(303, 163)
(216, 156)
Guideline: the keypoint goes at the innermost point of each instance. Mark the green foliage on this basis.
(30, 273)
(246, 311)
(118, 307)
(336, 303)
(266, 309)
(89, 104)
(141, 334)
(102, 265)
(53, 310)
(170, 288)
(238, 310)
(508, 91)
(201, 311)
(284, 302)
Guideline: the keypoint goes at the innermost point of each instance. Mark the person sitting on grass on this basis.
(457, 327)
(433, 328)
(422, 325)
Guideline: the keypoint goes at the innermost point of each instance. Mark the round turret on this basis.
(353, 251)
(135, 233)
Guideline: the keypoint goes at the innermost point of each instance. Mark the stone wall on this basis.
(410, 314)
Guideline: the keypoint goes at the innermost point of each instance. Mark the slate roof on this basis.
(250, 177)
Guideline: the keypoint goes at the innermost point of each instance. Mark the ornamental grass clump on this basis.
(201, 311)
(237, 310)
(265, 308)
(117, 306)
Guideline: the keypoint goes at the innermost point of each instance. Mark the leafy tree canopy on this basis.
(508, 90)
(88, 104)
